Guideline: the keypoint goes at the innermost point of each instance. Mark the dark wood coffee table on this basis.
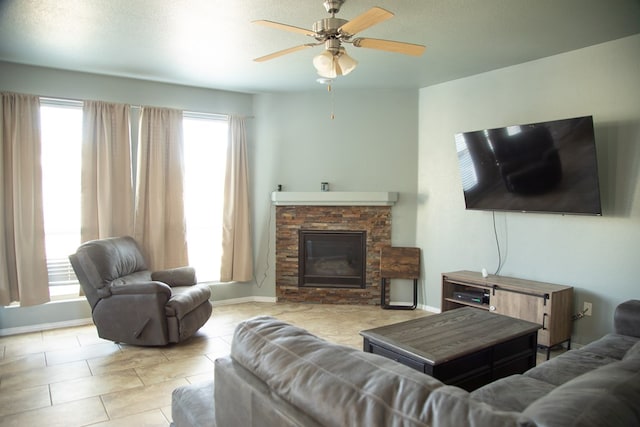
(466, 347)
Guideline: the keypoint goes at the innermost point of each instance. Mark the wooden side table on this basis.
(399, 263)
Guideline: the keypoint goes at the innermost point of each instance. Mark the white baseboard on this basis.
(243, 300)
(81, 322)
(419, 307)
(44, 327)
(430, 309)
(274, 299)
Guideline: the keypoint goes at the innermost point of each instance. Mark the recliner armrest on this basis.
(180, 276)
(187, 299)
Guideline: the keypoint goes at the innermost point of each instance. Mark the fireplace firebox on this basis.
(335, 259)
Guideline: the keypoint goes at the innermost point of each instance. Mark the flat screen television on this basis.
(537, 167)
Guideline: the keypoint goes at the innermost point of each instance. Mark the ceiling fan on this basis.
(333, 32)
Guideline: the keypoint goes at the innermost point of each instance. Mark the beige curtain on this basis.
(160, 225)
(237, 257)
(23, 268)
(107, 193)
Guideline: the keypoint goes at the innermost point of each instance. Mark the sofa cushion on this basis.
(513, 393)
(611, 345)
(633, 353)
(451, 406)
(341, 386)
(568, 366)
(605, 396)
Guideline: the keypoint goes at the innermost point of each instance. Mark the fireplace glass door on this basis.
(332, 258)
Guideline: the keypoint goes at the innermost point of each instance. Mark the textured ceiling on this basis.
(212, 43)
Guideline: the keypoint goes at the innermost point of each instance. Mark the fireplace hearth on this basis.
(328, 258)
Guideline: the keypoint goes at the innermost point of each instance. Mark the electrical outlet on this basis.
(587, 309)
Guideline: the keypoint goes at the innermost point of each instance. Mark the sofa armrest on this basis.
(193, 406)
(180, 276)
(626, 319)
(236, 387)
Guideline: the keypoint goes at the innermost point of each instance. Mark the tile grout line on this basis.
(104, 408)
(86, 361)
(50, 395)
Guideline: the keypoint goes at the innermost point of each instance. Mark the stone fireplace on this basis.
(335, 214)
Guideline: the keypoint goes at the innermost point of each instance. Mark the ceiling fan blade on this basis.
(284, 52)
(390, 46)
(284, 27)
(373, 16)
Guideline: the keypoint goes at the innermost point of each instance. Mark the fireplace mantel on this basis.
(334, 198)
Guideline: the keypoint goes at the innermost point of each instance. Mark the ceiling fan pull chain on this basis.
(330, 90)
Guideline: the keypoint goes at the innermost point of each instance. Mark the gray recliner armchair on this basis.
(132, 305)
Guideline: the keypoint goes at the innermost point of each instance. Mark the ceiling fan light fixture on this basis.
(325, 65)
(333, 63)
(347, 63)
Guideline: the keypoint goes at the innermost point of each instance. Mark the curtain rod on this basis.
(78, 102)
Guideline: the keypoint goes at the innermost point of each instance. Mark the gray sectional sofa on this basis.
(281, 375)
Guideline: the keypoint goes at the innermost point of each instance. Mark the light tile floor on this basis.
(71, 377)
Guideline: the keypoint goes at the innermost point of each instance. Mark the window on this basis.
(205, 152)
(61, 133)
(205, 142)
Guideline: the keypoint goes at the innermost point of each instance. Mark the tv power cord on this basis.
(579, 315)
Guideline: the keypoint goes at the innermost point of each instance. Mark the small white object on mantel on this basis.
(334, 198)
